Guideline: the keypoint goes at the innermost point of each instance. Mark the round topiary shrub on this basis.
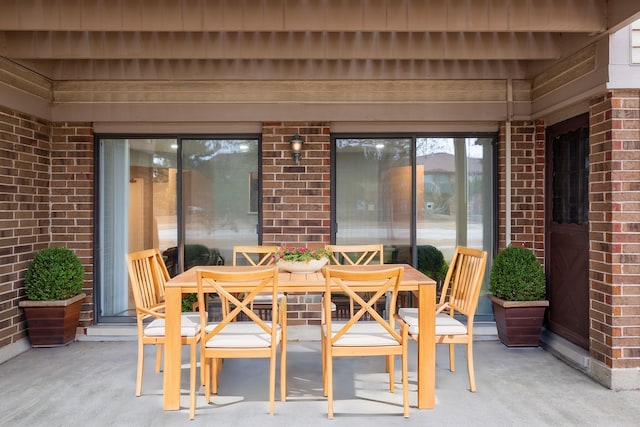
(517, 275)
(54, 274)
(432, 263)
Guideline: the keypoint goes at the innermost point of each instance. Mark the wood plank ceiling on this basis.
(65, 40)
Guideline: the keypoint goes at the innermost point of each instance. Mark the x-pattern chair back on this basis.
(359, 336)
(254, 255)
(356, 254)
(223, 284)
(242, 333)
(257, 256)
(365, 288)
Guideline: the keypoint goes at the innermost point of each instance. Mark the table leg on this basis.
(426, 346)
(172, 349)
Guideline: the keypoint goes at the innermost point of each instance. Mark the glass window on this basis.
(137, 210)
(373, 194)
(193, 199)
(571, 177)
(220, 197)
(635, 42)
(448, 183)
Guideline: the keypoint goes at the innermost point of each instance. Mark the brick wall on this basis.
(527, 186)
(46, 198)
(24, 211)
(614, 218)
(296, 199)
(72, 194)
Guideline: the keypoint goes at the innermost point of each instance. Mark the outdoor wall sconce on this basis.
(296, 147)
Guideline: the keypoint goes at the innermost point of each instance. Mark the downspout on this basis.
(508, 162)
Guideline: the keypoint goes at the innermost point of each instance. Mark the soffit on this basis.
(66, 40)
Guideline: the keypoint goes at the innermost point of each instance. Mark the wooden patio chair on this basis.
(148, 275)
(460, 293)
(257, 255)
(246, 336)
(354, 255)
(359, 337)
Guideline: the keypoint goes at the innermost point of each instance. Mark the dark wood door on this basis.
(567, 254)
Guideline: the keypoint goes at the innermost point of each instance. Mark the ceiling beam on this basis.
(296, 46)
(136, 69)
(588, 16)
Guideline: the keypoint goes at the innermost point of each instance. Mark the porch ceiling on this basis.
(312, 40)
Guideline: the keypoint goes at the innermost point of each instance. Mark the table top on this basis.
(301, 282)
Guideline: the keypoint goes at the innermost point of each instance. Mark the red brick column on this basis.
(72, 199)
(527, 186)
(24, 211)
(614, 256)
(296, 199)
(46, 199)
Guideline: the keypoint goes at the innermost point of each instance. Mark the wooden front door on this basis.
(567, 253)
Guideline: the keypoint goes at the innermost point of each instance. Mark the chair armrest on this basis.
(155, 311)
(442, 307)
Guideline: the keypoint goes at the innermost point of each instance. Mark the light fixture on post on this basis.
(296, 147)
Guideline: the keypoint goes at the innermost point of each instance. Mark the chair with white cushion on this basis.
(365, 254)
(242, 333)
(148, 275)
(357, 336)
(257, 256)
(460, 293)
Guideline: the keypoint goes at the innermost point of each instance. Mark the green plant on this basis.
(188, 302)
(301, 254)
(517, 275)
(432, 263)
(54, 274)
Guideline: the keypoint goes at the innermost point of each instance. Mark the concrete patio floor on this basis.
(92, 383)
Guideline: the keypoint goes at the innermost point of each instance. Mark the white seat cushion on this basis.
(361, 334)
(445, 324)
(241, 335)
(189, 326)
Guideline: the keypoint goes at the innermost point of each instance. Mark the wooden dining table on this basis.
(423, 287)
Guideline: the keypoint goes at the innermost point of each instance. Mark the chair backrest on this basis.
(254, 255)
(237, 290)
(365, 286)
(356, 254)
(462, 284)
(148, 276)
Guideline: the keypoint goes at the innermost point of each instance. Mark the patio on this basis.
(92, 383)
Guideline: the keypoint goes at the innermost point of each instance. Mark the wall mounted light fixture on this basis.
(296, 147)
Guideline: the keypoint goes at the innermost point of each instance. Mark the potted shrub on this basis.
(517, 290)
(432, 263)
(53, 287)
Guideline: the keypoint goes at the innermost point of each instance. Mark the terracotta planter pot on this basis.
(519, 323)
(52, 323)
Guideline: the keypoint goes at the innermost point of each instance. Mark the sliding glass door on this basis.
(192, 199)
(220, 197)
(373, 192)
(417, 195)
